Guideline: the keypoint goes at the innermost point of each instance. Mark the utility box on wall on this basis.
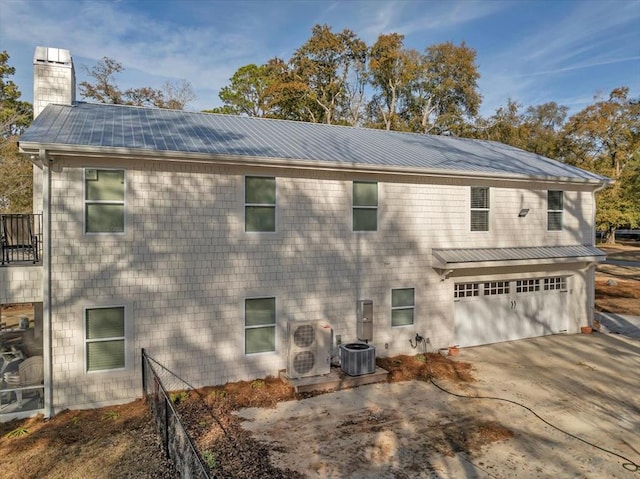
(364, 327)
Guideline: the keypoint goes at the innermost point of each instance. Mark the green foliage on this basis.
(177, 397)
(16, 174)
(605, 138)
(257, 384)
(210, 458)
(110, 415)
(18, 432)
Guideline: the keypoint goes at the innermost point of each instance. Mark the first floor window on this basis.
(259, 204)
(104, 201)
(479, 209)
(402, 306)
(105, 338)
(260, 325)
(555, 200)
(365, 206)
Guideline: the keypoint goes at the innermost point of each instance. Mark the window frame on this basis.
(496, 288)
(125, 338)
(405, 307)
(260, 326)
(273, 205)
(86, 202)
(355, 208)
(486, 209)
(559, 212)
(466, 290)
(555, 283)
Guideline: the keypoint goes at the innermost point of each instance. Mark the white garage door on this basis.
(494, 311)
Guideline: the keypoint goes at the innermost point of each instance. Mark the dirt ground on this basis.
(405, 429)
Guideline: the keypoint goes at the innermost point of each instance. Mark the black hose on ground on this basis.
(629, 465)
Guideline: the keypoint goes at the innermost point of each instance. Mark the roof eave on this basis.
(56, 149)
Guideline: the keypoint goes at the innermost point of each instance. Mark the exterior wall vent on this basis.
(358, 358)
(309, 348)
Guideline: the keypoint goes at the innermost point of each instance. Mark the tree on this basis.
(325, 63)
(173, 95)
(537, 129)
(605, 138)
(248, 92)
(444, 92)
(16, 180)
(392, 69)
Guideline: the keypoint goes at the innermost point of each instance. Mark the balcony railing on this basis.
(21, 237)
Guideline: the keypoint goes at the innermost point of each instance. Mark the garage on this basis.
(494, 311)
(534, 297)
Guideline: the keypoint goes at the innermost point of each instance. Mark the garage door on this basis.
(490, 312)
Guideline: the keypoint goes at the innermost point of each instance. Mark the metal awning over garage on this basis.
(448, 260)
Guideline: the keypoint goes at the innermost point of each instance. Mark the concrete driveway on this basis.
(588, 385)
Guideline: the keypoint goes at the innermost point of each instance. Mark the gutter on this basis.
(84, 151)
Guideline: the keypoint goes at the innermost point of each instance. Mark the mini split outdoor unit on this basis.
(309, 348)
(357, 359)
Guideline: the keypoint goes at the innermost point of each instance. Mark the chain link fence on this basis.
(157, 383)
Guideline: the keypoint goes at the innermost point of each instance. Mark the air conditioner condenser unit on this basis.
(309, 349)
(357, 359)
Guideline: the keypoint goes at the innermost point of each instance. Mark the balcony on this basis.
(21, 237)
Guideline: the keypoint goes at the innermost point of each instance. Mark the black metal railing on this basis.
(177, 442)
(21, 238)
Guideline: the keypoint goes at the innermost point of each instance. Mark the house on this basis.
(200, 237)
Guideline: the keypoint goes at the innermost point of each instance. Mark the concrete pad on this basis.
(585, 384)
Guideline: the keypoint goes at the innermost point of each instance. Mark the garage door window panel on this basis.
(527, 286)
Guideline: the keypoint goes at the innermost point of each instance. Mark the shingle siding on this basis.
(185, 265)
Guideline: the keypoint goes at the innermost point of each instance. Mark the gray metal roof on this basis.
(457, 256)
(144, 130)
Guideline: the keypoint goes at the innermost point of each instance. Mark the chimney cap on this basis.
(52, 55)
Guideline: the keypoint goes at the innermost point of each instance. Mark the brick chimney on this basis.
(54, 79)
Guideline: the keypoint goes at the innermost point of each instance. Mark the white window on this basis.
(527, 285)
(365, 206)
(260, 325)
(105, 338)
(556, 283)
(555, 201)
(402, 306)
(479, 209)
(259, 204)
(104, 197)
(496, 287)
(466, 290)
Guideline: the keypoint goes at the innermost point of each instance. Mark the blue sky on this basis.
(530, 51)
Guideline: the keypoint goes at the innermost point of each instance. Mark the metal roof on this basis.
(114, 128)
(460, 257)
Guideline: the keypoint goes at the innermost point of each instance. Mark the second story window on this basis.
(555, 205)
(103, 201)
(479, 209)
(365, 206)
(259, 204)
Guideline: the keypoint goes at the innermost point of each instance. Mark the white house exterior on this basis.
(199, 237)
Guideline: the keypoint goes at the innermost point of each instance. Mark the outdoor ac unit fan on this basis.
(309, 348)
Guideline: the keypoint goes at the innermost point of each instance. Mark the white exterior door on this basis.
(495, 311)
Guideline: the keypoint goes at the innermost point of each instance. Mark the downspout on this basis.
(591, 306)
(46, 283)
